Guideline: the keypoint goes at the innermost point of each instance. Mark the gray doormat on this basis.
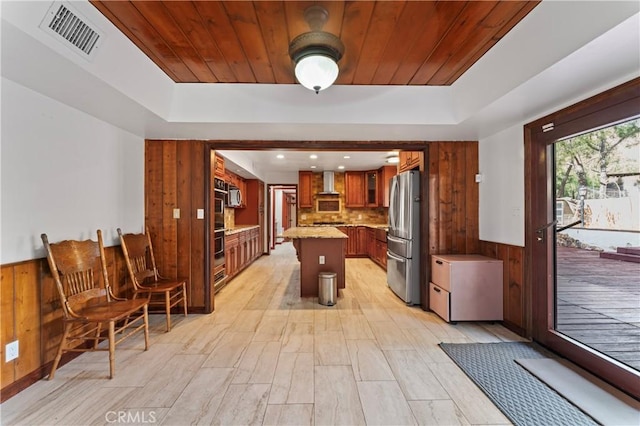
(523, 398)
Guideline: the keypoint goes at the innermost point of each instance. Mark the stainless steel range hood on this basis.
(328, 184)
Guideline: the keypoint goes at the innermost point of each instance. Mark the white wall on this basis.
(277, 199)
(64, 173)
(501, 162)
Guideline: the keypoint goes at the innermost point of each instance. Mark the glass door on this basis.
(582, 185)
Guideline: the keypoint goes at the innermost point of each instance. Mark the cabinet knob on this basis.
(439, 262)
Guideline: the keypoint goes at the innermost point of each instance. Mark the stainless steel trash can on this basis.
(327, 288)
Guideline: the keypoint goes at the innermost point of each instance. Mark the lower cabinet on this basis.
(241, 249)
(366, 242)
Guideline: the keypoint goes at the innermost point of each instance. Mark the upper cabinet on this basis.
(305, 190)
(409, 160)
(354, 183)
(371, 196)
(218, 167)
(384, 175)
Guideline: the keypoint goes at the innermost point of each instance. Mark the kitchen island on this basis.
(315, 244)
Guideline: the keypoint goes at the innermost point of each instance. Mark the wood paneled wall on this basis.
(454, 222)
(515, 303)
(175, 177)
(453, 197)
(31, 314)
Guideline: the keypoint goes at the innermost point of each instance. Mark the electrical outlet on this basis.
(11, 351)
(359, 217)
(321, 260)
(176, 213)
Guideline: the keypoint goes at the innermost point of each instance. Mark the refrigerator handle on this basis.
(394, 203)
(397, 258)
(394, 239)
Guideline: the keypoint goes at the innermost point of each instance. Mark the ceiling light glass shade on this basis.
(316, 72)
(393, 160)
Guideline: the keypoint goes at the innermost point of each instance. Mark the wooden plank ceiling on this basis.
(386, 42)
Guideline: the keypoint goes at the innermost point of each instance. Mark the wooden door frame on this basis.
(271, 219)
(422, 146)
(611, 106)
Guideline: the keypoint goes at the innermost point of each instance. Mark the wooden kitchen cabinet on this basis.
(231, 246)
(361, 245)
(305, 190)
(354, 189)
(241, 249)
(466, 287)
(218, 167)
(385, 174)
(371, 189)
(409, 160)
(371, 242)
(253, 214)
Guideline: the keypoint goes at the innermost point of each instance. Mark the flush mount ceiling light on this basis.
(316, 53)
(393, 159)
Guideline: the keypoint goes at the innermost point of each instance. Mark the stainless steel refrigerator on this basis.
(403, 239)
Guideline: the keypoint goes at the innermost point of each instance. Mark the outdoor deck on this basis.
(599, 303)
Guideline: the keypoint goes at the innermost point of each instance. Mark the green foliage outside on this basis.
(590, 159)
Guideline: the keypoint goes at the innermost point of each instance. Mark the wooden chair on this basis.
(79, 268)
(147, 281)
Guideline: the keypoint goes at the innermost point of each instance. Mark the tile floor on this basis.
(266, 356)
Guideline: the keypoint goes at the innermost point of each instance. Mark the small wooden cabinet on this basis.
(218, 167)
(354, 189)
(305, 190)
(371, 188)
(466, 287)
(409, 160)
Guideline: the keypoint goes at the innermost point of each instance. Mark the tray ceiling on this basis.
(386, 42)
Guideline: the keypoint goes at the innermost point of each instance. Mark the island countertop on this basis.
(313, 232)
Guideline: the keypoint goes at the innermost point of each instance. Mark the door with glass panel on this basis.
(583, 233)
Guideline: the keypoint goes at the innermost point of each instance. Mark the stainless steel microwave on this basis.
(234, 197)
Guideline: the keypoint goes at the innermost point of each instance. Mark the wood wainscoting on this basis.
(516, 302)
(31, 314)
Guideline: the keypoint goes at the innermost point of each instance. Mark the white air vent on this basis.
(74, 30)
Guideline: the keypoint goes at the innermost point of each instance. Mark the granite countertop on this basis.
(313, 232)
(368, 225)
(239, 228)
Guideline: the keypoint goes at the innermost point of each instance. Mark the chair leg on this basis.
(184, 297)
(146, 327)
(97, 340)
(112, 349)
(167, 307)
(56, 361)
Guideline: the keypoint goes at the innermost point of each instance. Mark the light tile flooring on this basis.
(266, 356)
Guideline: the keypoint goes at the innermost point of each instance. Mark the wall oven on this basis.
(219, 269)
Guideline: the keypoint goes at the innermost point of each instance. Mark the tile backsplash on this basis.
(346, 215)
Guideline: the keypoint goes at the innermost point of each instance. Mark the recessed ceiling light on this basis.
(313, 156)
(313, 167)
(393, 159)
(280, 156)
(347, 156)
(341, 167)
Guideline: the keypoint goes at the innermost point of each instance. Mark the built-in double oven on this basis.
(220, 194)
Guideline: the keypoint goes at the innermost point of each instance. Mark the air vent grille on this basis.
(63, 22)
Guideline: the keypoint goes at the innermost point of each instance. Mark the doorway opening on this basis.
(283, 211)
